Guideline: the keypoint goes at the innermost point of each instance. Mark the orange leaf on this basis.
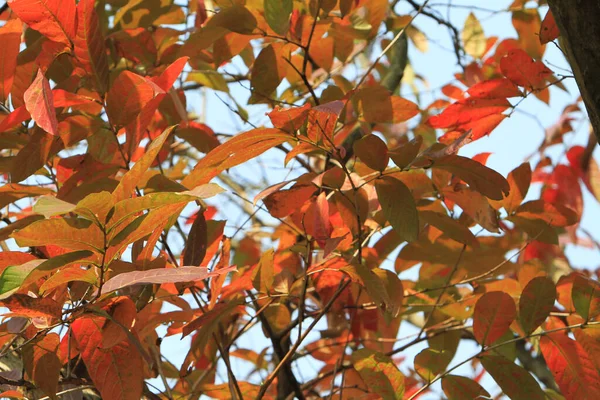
(553, 214)
(127, 96)
(241, 148)
(527, 23)
(123, 311)
(55, 19)
(494, 312)
(43, 364)
(10, 37)
(571, 367)
(89, 44)
(40, 104)
(289, 119)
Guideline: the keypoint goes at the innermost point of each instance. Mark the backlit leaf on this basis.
(379, 373)
(241, 148)
(131, 178)
(536, 302)
(116, 372)
(571, 366)
(514, 381)
(494, 312)
(586, 297)
(40, 104)
(398, 207)
(89, 44)
(460, 388)
(10, 37)
(262, 276)
(55, 19)
(548, 30)
(473, 38)
(277, 14)
(195, 247)
(127, 97)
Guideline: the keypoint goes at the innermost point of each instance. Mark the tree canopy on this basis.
(337, 239)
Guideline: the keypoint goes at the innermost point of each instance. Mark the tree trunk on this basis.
(579, 25)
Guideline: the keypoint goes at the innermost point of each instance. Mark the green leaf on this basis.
(429, 363)
(50, 206)
(398, 207)
(13, 276)
(379, 373)
(586, 297)
(277, 14)
(461, 388)
(536, 302)
(514, 381)
(473, 38)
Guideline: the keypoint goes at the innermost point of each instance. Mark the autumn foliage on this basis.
(118, 202)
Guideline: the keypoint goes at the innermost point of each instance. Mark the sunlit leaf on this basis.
(158, 276)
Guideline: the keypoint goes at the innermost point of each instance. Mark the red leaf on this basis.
(468, 110)
(571, 367)
(10, 37)
(167, 79)
(499, 88)
(116, 372)
(494, 312)
(40, 104)
(195, 247)
(162, 275)
(89, 44)
(549, 30)
(524, 71)
(15, 118)
(54, 19)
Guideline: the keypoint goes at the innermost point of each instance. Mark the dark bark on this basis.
(579, 25)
